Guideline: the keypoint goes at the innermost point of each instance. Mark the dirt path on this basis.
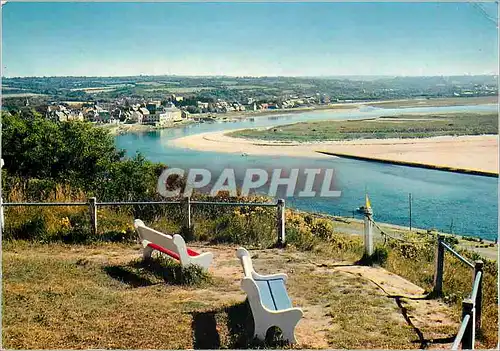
(430, 320)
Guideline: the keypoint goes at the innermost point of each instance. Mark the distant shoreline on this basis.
(414, 164)
(354, 106)
(333, 107)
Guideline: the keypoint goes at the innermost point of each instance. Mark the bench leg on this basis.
(146, 252)
(261, 331)
(204, 260)
(287, 323)
(289, 335)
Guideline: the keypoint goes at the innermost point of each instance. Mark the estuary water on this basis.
(449, 202)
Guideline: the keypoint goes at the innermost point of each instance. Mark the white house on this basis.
(173, 114)
(75, 115)
(159, 119)
(203, 105)
(144, 111)
(135, 117)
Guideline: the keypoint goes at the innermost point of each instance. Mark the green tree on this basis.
(43, 154)
(132, 179)
(75, 152)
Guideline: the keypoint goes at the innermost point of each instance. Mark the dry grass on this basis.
(418, 267)
(93, 295)
(101, 296)
(437, 102)
(402, 126)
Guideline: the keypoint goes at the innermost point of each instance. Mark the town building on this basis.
(144, 111)
(60, 113)
(202, 105)
(153, 106)
(170, 115)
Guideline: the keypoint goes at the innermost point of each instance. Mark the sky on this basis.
(244, 39)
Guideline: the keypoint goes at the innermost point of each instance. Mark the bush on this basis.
(302, 240)
(322, 228)
(246, 226)
(451, 240)
(173, 273)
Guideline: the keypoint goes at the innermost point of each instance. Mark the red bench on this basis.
(173, 246)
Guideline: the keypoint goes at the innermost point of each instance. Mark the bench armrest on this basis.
(258, 276)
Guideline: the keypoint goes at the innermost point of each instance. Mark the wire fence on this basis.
(182, 214)
(186, 212)
(471, 306)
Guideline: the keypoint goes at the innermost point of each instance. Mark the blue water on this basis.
(439, 199)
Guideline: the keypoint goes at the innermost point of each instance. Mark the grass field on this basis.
(65, 288)
(458, 101)
(403, 126)
(179, 90)
(103, 296)
(20, 95)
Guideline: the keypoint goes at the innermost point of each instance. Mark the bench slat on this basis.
(159, 238)
(164, 250)
(265, 294)
(279, 293)
(192, 253)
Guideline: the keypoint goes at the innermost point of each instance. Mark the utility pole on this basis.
(409, 200)
(368, 231)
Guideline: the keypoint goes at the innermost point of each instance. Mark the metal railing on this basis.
(471, 317)
(187, 203)
(472, 306)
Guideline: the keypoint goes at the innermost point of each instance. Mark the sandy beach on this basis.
(477, 153)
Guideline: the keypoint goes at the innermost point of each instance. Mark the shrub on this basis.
(246, 227)
(173, 273)
(302, 240)
(451, 240)
(322, 228)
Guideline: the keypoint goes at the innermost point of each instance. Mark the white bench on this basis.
(269, 301)
(174, 246)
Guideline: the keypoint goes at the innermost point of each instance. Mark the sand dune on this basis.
(463, 152)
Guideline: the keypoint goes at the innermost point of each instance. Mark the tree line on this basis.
(41, 154)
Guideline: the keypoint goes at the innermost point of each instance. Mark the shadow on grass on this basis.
(125, 275)
(205, 334)
(379, 257)
(156, 270)
(430, 342)
(240, 327)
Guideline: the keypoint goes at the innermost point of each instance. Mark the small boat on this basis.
(361, 209)
(367, 206)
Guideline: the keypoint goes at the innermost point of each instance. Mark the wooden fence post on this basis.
(188, 212)
(439, 263)
(478, 304)
(368, 226)
(93, 215)
(469, 335)
(280, 219)
(2, 218)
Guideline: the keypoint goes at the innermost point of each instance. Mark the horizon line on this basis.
(258, 76)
